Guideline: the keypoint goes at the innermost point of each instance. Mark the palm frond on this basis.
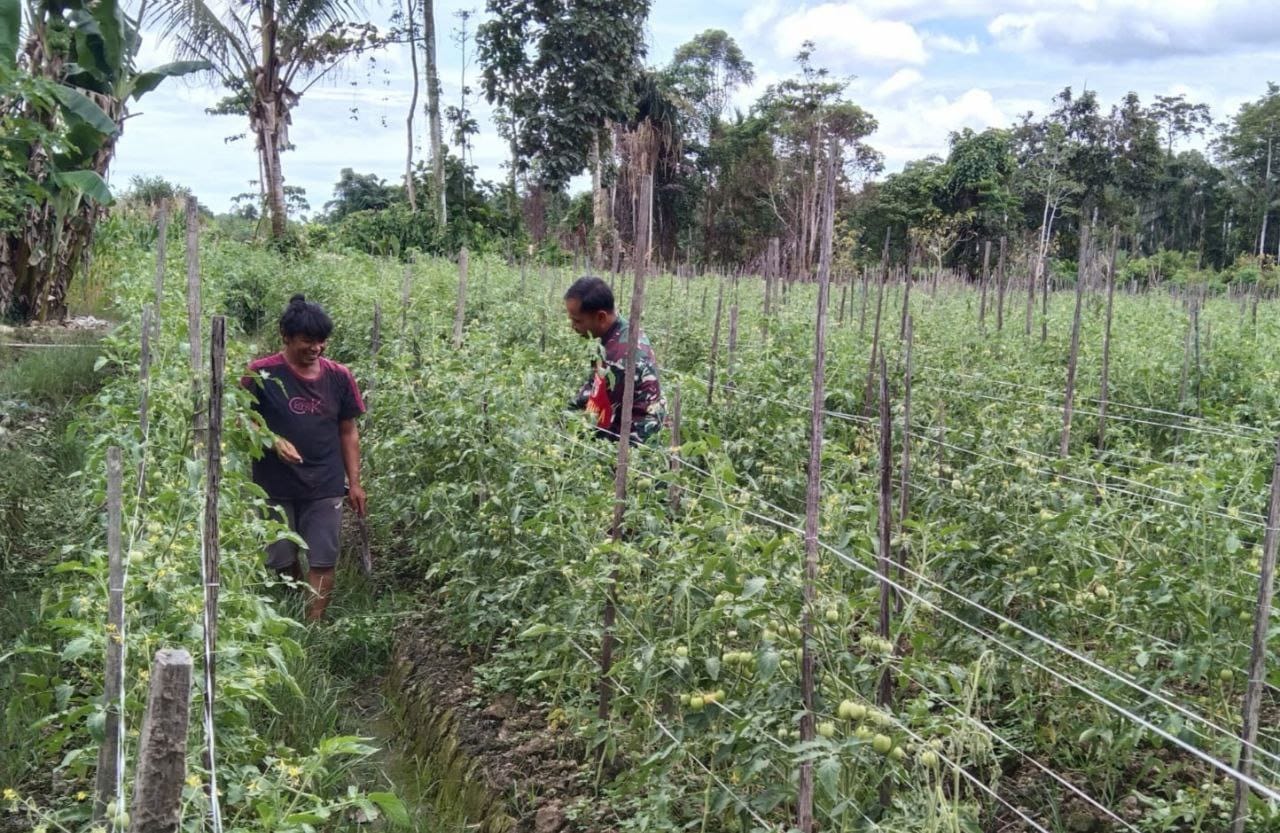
(198, 32)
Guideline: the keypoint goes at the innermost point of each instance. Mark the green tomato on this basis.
(695, 703)
(929, 758)
(827, 729)
(883, 744)
(682, 651)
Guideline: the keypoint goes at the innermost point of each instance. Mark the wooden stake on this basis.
(673, 489)
(904, 496)
(162, 750)
(107, 782)
(645, 207)
(868, 390)
(162, 250)
(862, 314)
(144, 374)
(1258, 654)
(459, 315)
(406, 291)
(986, 275)
(884, 691)
(715, 345)
(193, 318)
(813, 499)
(1002, 283)
(906, 295)
(1032, 276)
(1069, 397)
(733, 342)
(210, 542)
(1104, 395)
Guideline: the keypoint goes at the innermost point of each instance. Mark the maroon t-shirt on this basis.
(306, 412)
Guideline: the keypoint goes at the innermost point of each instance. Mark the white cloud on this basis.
(901, 80)
(946, 43)
(847, 37)
(756, 17)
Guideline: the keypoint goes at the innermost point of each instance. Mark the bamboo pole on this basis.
(624, 438)
(107, 782)
(813, 499)
(1258, 654)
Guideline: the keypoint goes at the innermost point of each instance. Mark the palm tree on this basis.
(260, 50)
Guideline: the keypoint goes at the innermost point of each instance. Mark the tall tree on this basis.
(562, 72)
(1250, 147)
(261, 51)
(433, 112)
(1179, 118)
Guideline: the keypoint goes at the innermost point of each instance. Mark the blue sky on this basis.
(923, 68)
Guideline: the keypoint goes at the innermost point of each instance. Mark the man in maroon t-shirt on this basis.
(310, 404)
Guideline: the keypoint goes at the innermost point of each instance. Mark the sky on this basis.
(922, 68)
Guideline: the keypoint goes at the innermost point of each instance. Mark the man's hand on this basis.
(359, 500)
(285, 451)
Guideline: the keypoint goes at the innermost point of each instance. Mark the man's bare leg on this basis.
(321, 582)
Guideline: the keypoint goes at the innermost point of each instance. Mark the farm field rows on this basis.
(1069, 654)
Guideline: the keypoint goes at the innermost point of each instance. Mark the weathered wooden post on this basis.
(211, 546)
(194, 342)
(144, 372)
(460, 313)
(644, 210)
(906, 292)
(813, 500)
(108, 782)
(1069, 397)
(1258, 655)
(868, 389)
(1104, 394)
(162, 749)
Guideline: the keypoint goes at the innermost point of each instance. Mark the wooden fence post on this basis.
(107, 783)
(813, 499)
(867, 391)
(194, 341)
(1258, 655)
(162, 750)
(144, 373)
(1069, 397)
(460, 313)
(906, 294)
(406, 292)
(644, 210)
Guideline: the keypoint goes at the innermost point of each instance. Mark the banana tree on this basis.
(67, 76)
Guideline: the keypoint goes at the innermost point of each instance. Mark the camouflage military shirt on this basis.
(649, 410)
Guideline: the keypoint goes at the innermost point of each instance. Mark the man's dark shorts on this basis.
(317, 522)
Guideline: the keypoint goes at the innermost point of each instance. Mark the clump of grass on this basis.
(49, 376)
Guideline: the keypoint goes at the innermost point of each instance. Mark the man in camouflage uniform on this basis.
(589, 303)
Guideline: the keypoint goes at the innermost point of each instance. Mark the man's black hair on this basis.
(593, 294)
(305, 318)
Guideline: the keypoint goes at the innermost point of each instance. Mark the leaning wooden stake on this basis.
(624, 437)
(193, 319)
(1069, 397)
(904, 494)
(715, 345)
(884, 691)
(813, 502)
(1104, 394)
(108, 782)
(162, 749)
(459, 314)
(1258, 655)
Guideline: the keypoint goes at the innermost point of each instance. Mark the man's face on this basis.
(585, 323)
(303, 350)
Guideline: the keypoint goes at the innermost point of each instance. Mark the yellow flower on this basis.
(193, 781)
(10, 794)
(294, 771)
(81, 796)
